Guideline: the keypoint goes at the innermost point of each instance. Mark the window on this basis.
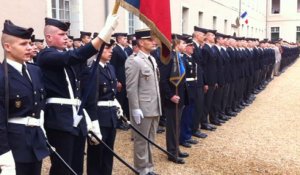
(274, 33)
(298, 6)
(61, 9)
(134, 23)
(185, 15)
(214, 23)
(243, 30)
(130, 23)
(200, 19)
(298, 34)
(225, 26)
(275, 7)
(247, 31)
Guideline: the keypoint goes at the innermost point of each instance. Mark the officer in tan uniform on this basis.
(142, 85)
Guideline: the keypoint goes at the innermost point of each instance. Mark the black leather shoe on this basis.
(176, 160)
(244, 104)
(160, 130)
(236, 110)
(232, 114)
(208, 127)
(199, 134)
(256, 92)
(221, 121)
(183, 155)
(241, 107)
(123, 127)
(217, 123)
(152, 173)
(185, 144)
(223, 117)
(192, 141)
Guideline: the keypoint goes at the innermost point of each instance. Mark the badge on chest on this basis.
(104, 90)
(146, 74)
(18, 102)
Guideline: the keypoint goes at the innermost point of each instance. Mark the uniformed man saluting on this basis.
(21, 133)
(65, 129)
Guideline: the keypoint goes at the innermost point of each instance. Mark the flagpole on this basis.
(177, 111)
(177, 124)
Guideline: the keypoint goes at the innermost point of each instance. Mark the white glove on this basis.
(137, 115)
(110, 25)
(42, 120)
(7, 164)
(95, 128)
(119, 109)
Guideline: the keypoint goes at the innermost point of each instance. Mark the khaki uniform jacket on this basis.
(142, 84)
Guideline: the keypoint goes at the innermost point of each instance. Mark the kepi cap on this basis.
(64, 26)
(10, 29)
(143, 34)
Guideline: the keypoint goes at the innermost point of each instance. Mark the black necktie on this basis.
(24, 72)
(125, 53)
(149, 58)
(107, 71)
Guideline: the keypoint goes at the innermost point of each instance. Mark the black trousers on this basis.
(123, 100)
(225, 97)
(28, 168)
(99, 158)
(208, 100)
(198, 114)
(237, 89)
(230, 101)
(172, 137)
(216, 104)
(256, 79)
(70, 148)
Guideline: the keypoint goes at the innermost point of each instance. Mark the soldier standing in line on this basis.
(142, 86)
(118, 59)
(99, 158)
(21, 134)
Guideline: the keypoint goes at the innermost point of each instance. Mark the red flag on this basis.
(156, 15)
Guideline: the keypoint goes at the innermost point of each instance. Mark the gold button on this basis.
(34, 92)
(33, 114)
(35, 103)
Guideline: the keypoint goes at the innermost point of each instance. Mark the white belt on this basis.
(63, 101)
(27, 121)
(107, 103)
(191, 79)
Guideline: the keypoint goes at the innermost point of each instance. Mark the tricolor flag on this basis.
(157, 16)
(244, 17)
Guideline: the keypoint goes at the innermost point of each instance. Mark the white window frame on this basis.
(131, 26)
(64, 10)
(275, 30)
(297, 32)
